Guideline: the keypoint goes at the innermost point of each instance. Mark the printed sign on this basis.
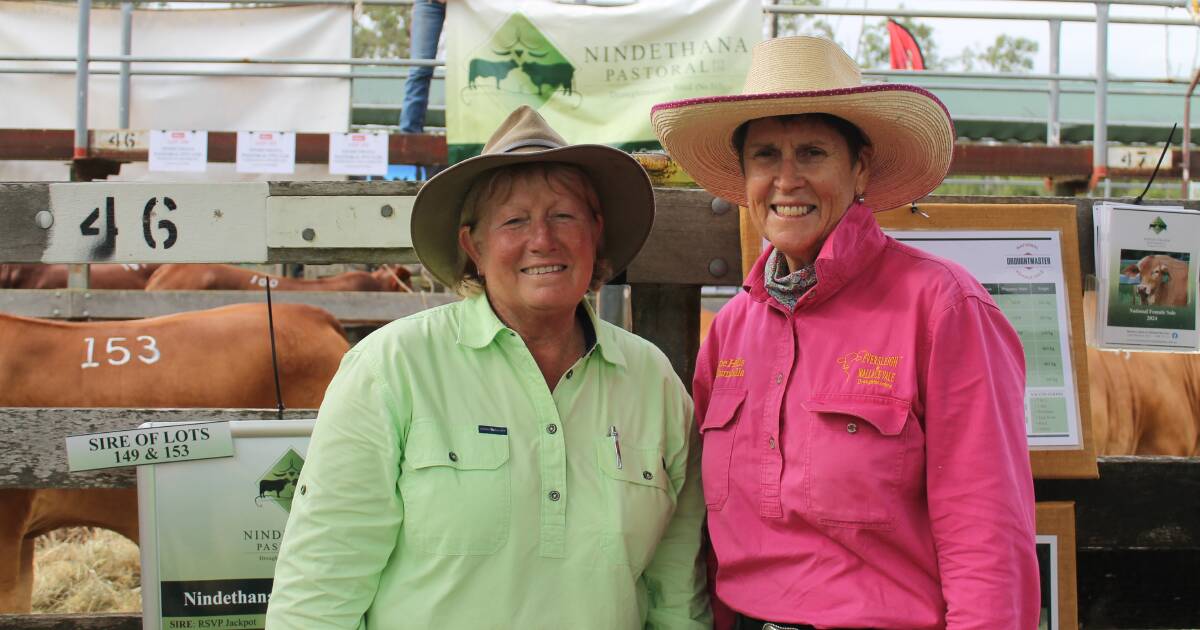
(592, 71)
(210, 530)
(178, 151)
(1147, 285)
(158, 445)
(1023, 272)
(266, 152)
(358, 153)
(126, 222)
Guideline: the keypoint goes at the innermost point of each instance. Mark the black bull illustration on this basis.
(484, 68)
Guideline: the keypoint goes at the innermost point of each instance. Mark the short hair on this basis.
(855, 139)
(496, 186)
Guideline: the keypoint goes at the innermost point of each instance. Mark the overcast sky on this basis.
(1133, 50)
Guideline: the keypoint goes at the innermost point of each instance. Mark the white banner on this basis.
(41, 101)
(593, 72)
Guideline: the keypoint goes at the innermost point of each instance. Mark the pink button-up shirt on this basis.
(865, 459)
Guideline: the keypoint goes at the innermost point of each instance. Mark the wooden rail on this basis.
(349, 307)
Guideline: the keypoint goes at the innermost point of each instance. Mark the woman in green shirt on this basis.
(510, 460)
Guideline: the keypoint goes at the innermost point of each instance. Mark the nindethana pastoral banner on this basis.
(593, 72)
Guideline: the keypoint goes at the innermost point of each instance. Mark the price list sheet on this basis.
(1023, 272)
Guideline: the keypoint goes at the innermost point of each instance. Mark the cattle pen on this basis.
(1137, 526)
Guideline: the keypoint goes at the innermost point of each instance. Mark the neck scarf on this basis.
(784, 285)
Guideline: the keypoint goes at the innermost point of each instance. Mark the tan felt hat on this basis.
(909, 128)
(626, 198)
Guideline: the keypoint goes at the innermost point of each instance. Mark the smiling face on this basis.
(800, 179)
(534, 243)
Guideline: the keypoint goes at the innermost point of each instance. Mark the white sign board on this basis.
(358, 153)
(177, 151)
(153, 445)
(210, 530)
(1023, 272)
(266, 152)
(103, 222)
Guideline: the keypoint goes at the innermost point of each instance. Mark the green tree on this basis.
(381, 32)
(874, 44)
(1006, 54)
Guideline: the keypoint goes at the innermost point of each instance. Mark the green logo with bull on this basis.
(278, 484)
(1158, 225)
(518, 66)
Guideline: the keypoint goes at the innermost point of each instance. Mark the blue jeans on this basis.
(427, 18)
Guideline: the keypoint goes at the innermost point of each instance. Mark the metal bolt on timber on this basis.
(308, 234)
(386, 211)
(44, 219)
(718, 267)
(720, 206)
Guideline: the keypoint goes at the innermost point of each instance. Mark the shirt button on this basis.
(570, 373)
(554, 495)
(778, 377)
(647, 475)
(304, 489)
(852, 428)
(551, 429)
(771, 442)
(453, 456)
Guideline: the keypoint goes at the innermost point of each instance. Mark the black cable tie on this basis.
(1162, 155)
(274, 355)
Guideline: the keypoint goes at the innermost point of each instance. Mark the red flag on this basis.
(906, 52)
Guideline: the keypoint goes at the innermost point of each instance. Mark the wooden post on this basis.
(668, 315)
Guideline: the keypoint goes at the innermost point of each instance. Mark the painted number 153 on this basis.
(119, 354)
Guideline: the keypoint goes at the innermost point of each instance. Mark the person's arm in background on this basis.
(980, 489)
(702, 384)
(675, 576)
(346, 512)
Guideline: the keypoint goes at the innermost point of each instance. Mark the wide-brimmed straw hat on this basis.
(623, 188)
(909, 128)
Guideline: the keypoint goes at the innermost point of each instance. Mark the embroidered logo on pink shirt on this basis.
(869, 368)
(731, 368)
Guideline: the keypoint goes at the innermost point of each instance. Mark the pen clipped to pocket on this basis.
(616, 440)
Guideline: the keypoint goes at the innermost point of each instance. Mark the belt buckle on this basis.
(771, 626)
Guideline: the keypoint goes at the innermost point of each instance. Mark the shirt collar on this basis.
(479, 326)
(849, 249)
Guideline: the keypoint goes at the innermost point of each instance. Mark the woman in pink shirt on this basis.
(861, 401)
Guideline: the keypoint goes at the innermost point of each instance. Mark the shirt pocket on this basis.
(455, 488)
(640, 502)
(717, 431)
(855, 459)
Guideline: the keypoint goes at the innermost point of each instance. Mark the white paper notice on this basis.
(358, 153)
(266, 152)
(1023, 272)
(178, 151)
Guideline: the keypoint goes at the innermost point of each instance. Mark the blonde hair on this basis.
(496, 186)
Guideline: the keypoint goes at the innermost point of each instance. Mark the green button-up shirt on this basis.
(448, 487)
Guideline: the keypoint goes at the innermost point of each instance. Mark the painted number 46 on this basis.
(89, 228)
(118, 354)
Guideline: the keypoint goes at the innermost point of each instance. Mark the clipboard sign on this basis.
(1071, 456)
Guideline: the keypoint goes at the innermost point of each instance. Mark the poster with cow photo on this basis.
(1147, 296)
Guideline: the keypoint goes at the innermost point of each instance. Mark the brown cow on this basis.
(231, 278)
(130, 276)
(215, 358)
(1163, 280)
(1144, 403)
